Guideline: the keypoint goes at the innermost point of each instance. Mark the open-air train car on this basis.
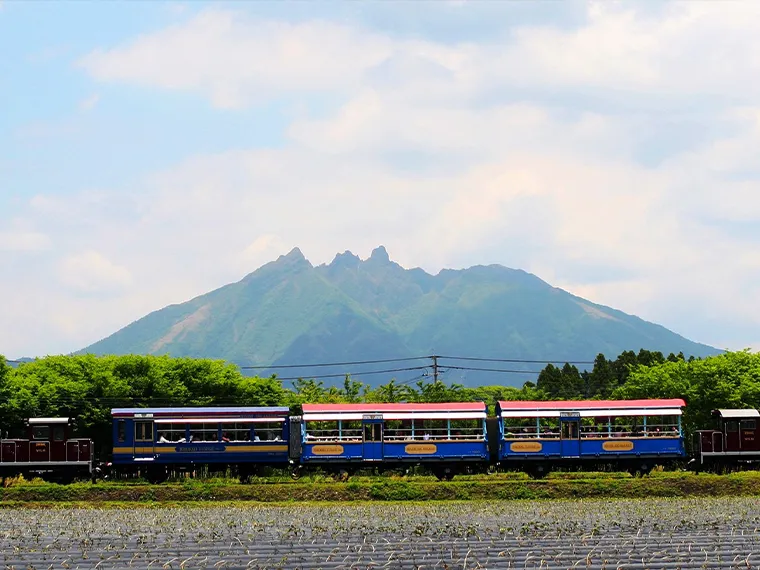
(155, 441)
(632, 434)
(447, 437)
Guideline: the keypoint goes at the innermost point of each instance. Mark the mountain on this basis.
(290, 312)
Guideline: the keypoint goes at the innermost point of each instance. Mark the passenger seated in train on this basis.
(163, 439)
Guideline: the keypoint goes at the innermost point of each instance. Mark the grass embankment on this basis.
(498, 487)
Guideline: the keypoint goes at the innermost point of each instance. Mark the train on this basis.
(447, 438)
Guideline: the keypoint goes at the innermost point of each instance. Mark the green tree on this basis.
(550, 381)
(602, 379)
(351, 389)
(572, 382)
(623, 365)
(729, 380)
(254, 391)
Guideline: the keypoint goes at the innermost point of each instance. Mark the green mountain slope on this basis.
(289, 312)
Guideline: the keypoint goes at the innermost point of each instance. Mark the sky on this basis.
(151, 152)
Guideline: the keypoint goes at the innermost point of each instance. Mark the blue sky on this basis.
(152, 151)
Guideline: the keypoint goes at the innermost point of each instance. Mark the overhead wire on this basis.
(361, 373)
(492, 370)
(322, 364)
(517, 360)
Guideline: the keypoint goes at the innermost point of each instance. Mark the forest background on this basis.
(86, 387)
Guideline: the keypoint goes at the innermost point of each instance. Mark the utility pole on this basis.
(435, 368)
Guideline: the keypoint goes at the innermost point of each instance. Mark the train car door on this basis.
(39, 446)
(58, 442)
(143, 440)
(372, 428)
(570, 434)
(731, 429)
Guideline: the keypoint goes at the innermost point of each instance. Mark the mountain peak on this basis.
(380, 255)
(295, 253)
(295, 258)
(345, 259)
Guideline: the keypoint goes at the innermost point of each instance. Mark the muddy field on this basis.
(700, 533)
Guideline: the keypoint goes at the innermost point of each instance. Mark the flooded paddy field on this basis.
(589, 534)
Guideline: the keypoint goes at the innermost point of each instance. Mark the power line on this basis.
(387, 360)
(517, 360)
(315, 365)
(493, 370)
(368, 373)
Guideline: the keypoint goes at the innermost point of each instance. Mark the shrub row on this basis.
(687, 485)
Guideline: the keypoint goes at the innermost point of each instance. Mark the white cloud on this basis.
(233, 59)
(23, 241)
(685, 49)
(91, 272)
(89, 103)
(449, 155)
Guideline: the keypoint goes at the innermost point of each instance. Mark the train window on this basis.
(317, 431)
(41, 432)
(350, 430)
(268, 431)
(373, 432)
(236, 432)
(58, 433)
(433, 429)
(170, 433)
(471, 429)
(143, 431)
(121, 429)
(204, 432)
(569, 430)
(748, 424)
(732, 427)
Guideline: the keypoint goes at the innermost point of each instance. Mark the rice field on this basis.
(588, 534)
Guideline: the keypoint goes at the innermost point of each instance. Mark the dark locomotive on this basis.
(447, 438)
(735, 441)
(49, 451)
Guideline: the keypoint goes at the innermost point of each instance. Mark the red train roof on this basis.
(409, 407)
(591, 404)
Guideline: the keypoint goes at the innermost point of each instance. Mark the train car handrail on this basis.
(720, 441)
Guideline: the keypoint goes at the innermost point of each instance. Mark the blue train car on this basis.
(154, 441)
(449, 437)
(634, 434)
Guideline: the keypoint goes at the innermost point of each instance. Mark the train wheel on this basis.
(156, 475)
(444, 473)
(538, 471)
(640, 470)
(246, 472)
(295, 472)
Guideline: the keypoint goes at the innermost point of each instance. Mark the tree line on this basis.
(86, 387)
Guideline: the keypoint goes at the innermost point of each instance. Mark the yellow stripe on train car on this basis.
(235, 449)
